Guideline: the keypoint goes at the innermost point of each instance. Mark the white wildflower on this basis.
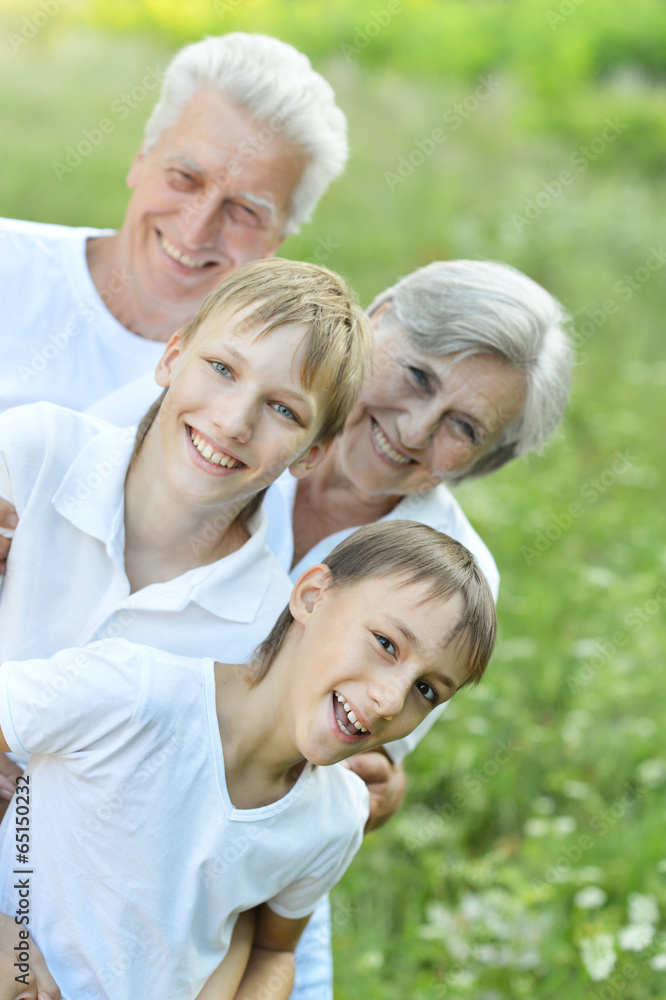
(590, 897)
(658, 963)
(643, 909)
(598, 955)
(635, 937)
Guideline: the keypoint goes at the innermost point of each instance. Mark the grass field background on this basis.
(529, 860)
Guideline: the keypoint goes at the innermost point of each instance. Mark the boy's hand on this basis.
(386, 783)
(8, 519)
(41, 984)
(9, 772)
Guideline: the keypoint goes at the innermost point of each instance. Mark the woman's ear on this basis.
(167, 363)
(309, 591)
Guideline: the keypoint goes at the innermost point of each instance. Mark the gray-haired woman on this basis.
(472, 368)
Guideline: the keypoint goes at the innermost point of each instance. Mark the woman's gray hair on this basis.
(468, 307)
(277, 85)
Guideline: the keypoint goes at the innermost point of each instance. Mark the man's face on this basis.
(211, 195)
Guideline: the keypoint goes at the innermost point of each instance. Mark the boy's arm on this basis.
(224, 982)
(385, 780)
(270, 969)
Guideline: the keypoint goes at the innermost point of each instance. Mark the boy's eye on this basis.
(221, 368)
(386, 644)
(284, 411)
(428, 692)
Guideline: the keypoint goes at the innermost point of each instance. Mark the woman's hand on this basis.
(386, 784)
(8, 521)
(15, 944)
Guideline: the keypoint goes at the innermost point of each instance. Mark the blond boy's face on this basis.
(373, 661)
(236, 414)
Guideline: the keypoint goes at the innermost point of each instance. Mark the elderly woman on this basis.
(471, 369)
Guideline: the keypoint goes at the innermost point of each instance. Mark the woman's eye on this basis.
(467, 429)
(428, 691)
(419, 377)
(284, 411)
(386, 644)
(221, 368)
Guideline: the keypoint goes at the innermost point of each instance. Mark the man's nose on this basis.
(201, 218)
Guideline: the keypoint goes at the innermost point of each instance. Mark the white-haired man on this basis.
(244, 140)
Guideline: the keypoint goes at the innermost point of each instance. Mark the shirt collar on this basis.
(91, 496)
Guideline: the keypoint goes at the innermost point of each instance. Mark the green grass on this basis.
(551, 777)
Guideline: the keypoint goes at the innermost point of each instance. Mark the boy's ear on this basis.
(308, 592)
(303, 466)
(167, 363)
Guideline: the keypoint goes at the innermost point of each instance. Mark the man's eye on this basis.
(244, 215)
(428, 692)
(285, 411)
(181, 179)
(221, 368)
(386, 644)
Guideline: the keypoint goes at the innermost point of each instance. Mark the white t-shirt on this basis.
(138, 862)
(436, 508)
(58, 340)
(66, 583)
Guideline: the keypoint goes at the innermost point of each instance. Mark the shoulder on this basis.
(439, 509)
(344, 804)
(39, 438)
(18, 235)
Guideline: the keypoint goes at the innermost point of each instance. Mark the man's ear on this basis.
(304, 465)
(308, 592)
(134, 172)
(167, 363)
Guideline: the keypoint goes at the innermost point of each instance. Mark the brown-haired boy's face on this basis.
(236, 414)
(371, 656)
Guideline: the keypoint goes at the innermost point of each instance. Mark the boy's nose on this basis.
(388, 697)
(237, 419)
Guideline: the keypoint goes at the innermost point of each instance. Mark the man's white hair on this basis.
(277, 85)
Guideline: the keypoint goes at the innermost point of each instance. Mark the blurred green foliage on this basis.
(552, 776)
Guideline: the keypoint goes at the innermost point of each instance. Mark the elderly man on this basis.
(243, 142)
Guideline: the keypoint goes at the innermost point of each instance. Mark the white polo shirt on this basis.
(58, 340)
(66, 583)
(436, 508)
(138, 861)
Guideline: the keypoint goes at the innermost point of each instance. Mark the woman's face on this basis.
(420, 419)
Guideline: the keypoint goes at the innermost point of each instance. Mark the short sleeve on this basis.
(24, 444)
(340, 825)
(77, 700)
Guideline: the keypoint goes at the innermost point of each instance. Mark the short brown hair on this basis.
(340, 339)
(419, 554)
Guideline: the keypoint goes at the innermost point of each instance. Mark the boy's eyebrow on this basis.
(418, 646)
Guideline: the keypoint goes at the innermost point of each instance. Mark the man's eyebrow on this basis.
(261, 202)
(190, 164)
(418, 646)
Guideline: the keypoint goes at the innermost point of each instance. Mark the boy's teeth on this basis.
(350, 715)
(209, 453)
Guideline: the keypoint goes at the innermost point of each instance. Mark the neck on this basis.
(182, 537)
(108, 262)
(328, 501)
(261, 759)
